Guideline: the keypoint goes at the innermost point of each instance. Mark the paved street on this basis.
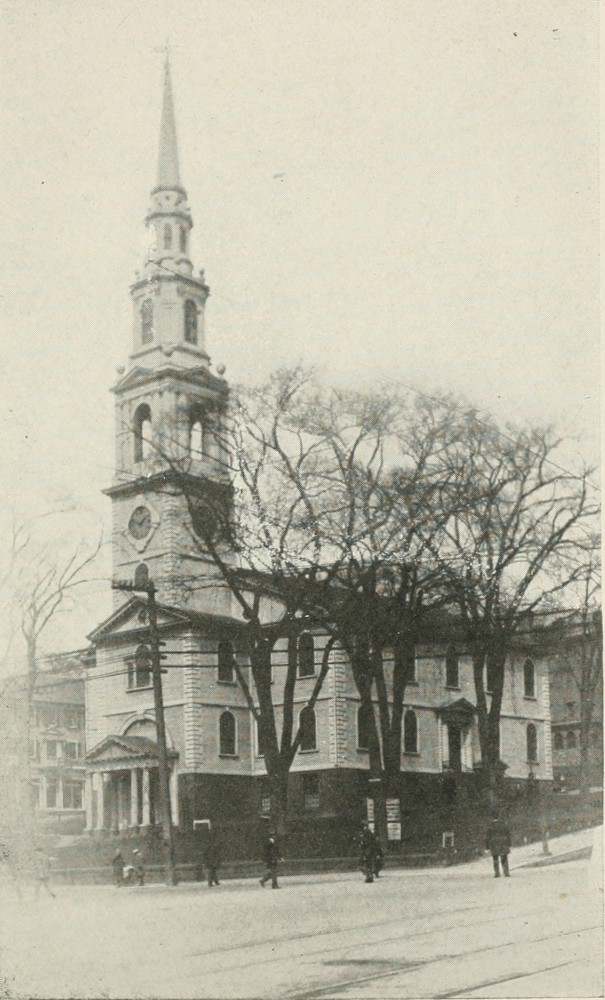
(453, 932)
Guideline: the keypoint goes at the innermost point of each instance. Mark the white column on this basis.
(121, 804)
(174, 798)
(134, 797)
(88, 800)
(145, 816)
(101, 781)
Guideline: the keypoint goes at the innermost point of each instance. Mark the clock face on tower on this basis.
(140, 522)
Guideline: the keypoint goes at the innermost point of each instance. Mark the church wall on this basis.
(110, 705)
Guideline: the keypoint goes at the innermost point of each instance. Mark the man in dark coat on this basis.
(118, 868)
(212, 858)
(497, 841)
(378, 857)
(271, 857)
(367, 852)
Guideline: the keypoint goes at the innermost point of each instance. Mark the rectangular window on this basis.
(311, 790)
(71, 718)
(72, 794)
(49, 715)
(265, 805)
(226, 669)
(51, 749)
(70, 751)
(51, 795)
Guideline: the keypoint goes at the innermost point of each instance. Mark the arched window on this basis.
(410, 732)
(142, 432)
(190, 322)
(529, 679)
(183, 239)
(147, 322)
(306, 655)
(364, 727)
(167, 236)
(225, 661)
(532, 743)
(196, 439)
(308, 727)
(452, 679)
(227, 735)
(139, 670)
(558, 743)
(571, 740)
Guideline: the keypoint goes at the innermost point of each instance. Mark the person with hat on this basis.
(368, 850)
(497, 841)
(271, 857)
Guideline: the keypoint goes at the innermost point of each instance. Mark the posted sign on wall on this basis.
(393, 819)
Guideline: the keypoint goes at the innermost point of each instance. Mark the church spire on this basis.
(168, 298)
(168, 159)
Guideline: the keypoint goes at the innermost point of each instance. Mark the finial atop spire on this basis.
(168, 159)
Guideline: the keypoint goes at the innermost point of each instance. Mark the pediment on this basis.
(198, 376)
(124, 748)
(133, 378)
(133, 616)
(458, 710)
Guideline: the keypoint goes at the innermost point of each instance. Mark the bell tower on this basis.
(171, 410)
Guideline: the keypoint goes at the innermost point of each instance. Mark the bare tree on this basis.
(45, 573)
(259, 548)
(512, 544)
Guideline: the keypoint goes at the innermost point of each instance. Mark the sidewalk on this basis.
(568, 847)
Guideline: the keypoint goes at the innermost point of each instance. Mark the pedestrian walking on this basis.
(367, 852)
(138, 865)
(497, 841)
(271, 857)
(42, 873)
(118, 868)
(378, 857)
(212, 858)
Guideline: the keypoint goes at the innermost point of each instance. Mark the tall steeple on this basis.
(169, 406)
(168, 300)
(168, 159)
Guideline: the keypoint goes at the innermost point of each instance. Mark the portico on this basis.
(122, 785)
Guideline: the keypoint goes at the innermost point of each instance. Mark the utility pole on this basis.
(143, 584)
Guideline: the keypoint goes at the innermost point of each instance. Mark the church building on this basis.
(170, 403)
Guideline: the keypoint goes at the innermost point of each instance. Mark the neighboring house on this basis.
(43, 745)
(217, 771)
(57, 741)
(576, 680)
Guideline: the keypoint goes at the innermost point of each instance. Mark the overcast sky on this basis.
(400, 189)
